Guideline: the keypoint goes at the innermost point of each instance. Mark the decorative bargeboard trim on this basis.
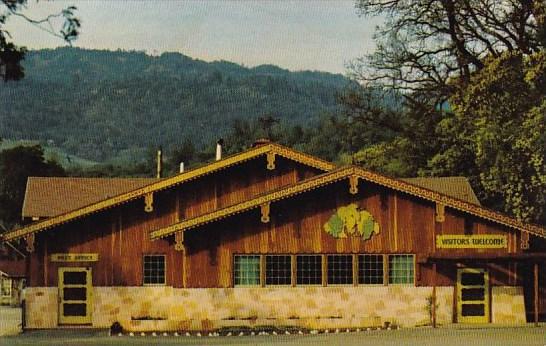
(168, 182)
(344, 173)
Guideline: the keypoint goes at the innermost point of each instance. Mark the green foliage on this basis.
(101, 105)
(11, 55)
(16, 165)
(497, 134)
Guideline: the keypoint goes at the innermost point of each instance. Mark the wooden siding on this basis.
(121, 235)
(407, 225)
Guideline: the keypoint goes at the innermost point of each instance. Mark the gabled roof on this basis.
(52, 196)
(344, 173)
(271, 148)
(457, 187)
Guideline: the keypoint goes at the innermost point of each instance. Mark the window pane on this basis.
(154, 269)
(472, 279)
(278, 270)
(401, 269)
(73, 293)
(309, 270)
(74, 309)
(340, 269)
(473, 310)
(247, 270)
(75, 278)
(370, 269)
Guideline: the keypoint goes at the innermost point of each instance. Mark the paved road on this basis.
(446, 336)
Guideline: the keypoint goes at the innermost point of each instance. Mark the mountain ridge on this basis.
(101, 104)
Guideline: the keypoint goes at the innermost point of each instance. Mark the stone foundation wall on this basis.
(507, 305)
(41, 307)
(167, 308)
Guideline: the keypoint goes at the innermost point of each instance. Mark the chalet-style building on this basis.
(272, 236)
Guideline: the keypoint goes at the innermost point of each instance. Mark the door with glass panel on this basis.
(75, 295)
(472, 295)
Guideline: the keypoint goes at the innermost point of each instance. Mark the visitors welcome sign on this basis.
(475, 241)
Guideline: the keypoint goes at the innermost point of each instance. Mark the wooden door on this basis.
(472, 295)
(75, 295)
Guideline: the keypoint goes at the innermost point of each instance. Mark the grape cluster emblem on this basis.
(351, 221)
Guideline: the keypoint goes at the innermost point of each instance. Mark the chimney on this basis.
(260, 141)
(181, 167)
(219, 149)
(159, 163)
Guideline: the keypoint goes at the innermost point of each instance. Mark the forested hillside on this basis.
(105, 105)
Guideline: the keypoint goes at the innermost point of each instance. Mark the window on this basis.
(247, 270)
(340, 269)
(370, 269)
(278, 270)
(154, 269)
(309, 269)
(401, 269)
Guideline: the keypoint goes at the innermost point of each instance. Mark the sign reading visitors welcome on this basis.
(477, 241)
(74, 257)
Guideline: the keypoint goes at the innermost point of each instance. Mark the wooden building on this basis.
(276, 237)
(12, 274)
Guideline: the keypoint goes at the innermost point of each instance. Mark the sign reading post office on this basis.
(475, 241)
(74, 257)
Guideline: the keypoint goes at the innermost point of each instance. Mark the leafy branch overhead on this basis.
(472, 77)
(425, 44)
(64, 25)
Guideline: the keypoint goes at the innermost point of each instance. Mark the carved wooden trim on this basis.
(270, 160)
(264, 209)
(179, 241)
(440, 212)
(149, 202)
(524, 241)
(343, 173)
(353, 184)
(29, 239)
(303, 186)
(168, 182)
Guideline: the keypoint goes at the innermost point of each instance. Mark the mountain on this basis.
(102, 105)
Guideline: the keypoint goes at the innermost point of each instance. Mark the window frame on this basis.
(291, 268)
(144, 283)
(413, 269)
(322, 269)
(352, 271)
(260, 271)
(384, 269)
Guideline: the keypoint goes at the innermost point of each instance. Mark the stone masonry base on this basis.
(163, 308)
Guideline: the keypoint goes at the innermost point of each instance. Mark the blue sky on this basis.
(297, 35)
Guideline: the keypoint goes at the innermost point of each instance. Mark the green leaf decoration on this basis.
(349, 220)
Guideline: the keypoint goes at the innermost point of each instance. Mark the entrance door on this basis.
(472, 295)
(75, 298)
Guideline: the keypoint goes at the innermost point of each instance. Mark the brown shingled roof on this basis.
(456, 187)
(52, 196)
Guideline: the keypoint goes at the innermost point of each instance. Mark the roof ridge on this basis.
(342, 173)
(162, 184)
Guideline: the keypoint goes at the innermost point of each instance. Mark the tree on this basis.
(12, 55)
(473, 76)
(424, 44)
(16, 165)
(500, 133)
